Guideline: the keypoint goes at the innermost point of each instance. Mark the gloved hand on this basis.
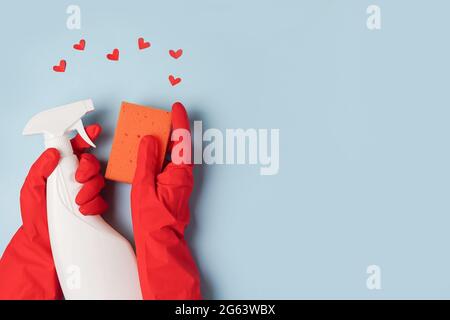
(160, 213)
(27, 270)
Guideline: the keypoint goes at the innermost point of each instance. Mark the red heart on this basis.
(142, 44)
(114, 56)
(61, 67)
(80, 46)
(176, 54)
(174, 81)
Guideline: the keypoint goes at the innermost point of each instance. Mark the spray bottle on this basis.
(93, 261)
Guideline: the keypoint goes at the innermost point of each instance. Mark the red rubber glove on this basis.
(160, 213)
(27, 270)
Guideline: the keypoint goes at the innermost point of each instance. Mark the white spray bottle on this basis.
(92, 260)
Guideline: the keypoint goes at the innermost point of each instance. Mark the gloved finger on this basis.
(79, 145)
(33, 192)
(181, 146)
(88, 167)
(180, 120)
(175, 185)
(94, 207)
(90, 190)
(177, 176)
(147, 166)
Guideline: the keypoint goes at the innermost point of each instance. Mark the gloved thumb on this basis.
(147, 165)
(42, 168)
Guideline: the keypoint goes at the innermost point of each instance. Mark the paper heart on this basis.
(143, 44)
(174, 81)
(61, 67)
(176, 54)
(114, 56)
(80, 45)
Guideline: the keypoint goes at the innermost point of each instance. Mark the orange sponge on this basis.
(134, 122)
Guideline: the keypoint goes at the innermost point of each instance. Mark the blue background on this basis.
(363, 118)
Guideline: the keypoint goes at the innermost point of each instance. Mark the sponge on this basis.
(135, 121)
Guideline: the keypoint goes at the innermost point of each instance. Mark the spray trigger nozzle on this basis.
(78, 126)
(58, 122)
